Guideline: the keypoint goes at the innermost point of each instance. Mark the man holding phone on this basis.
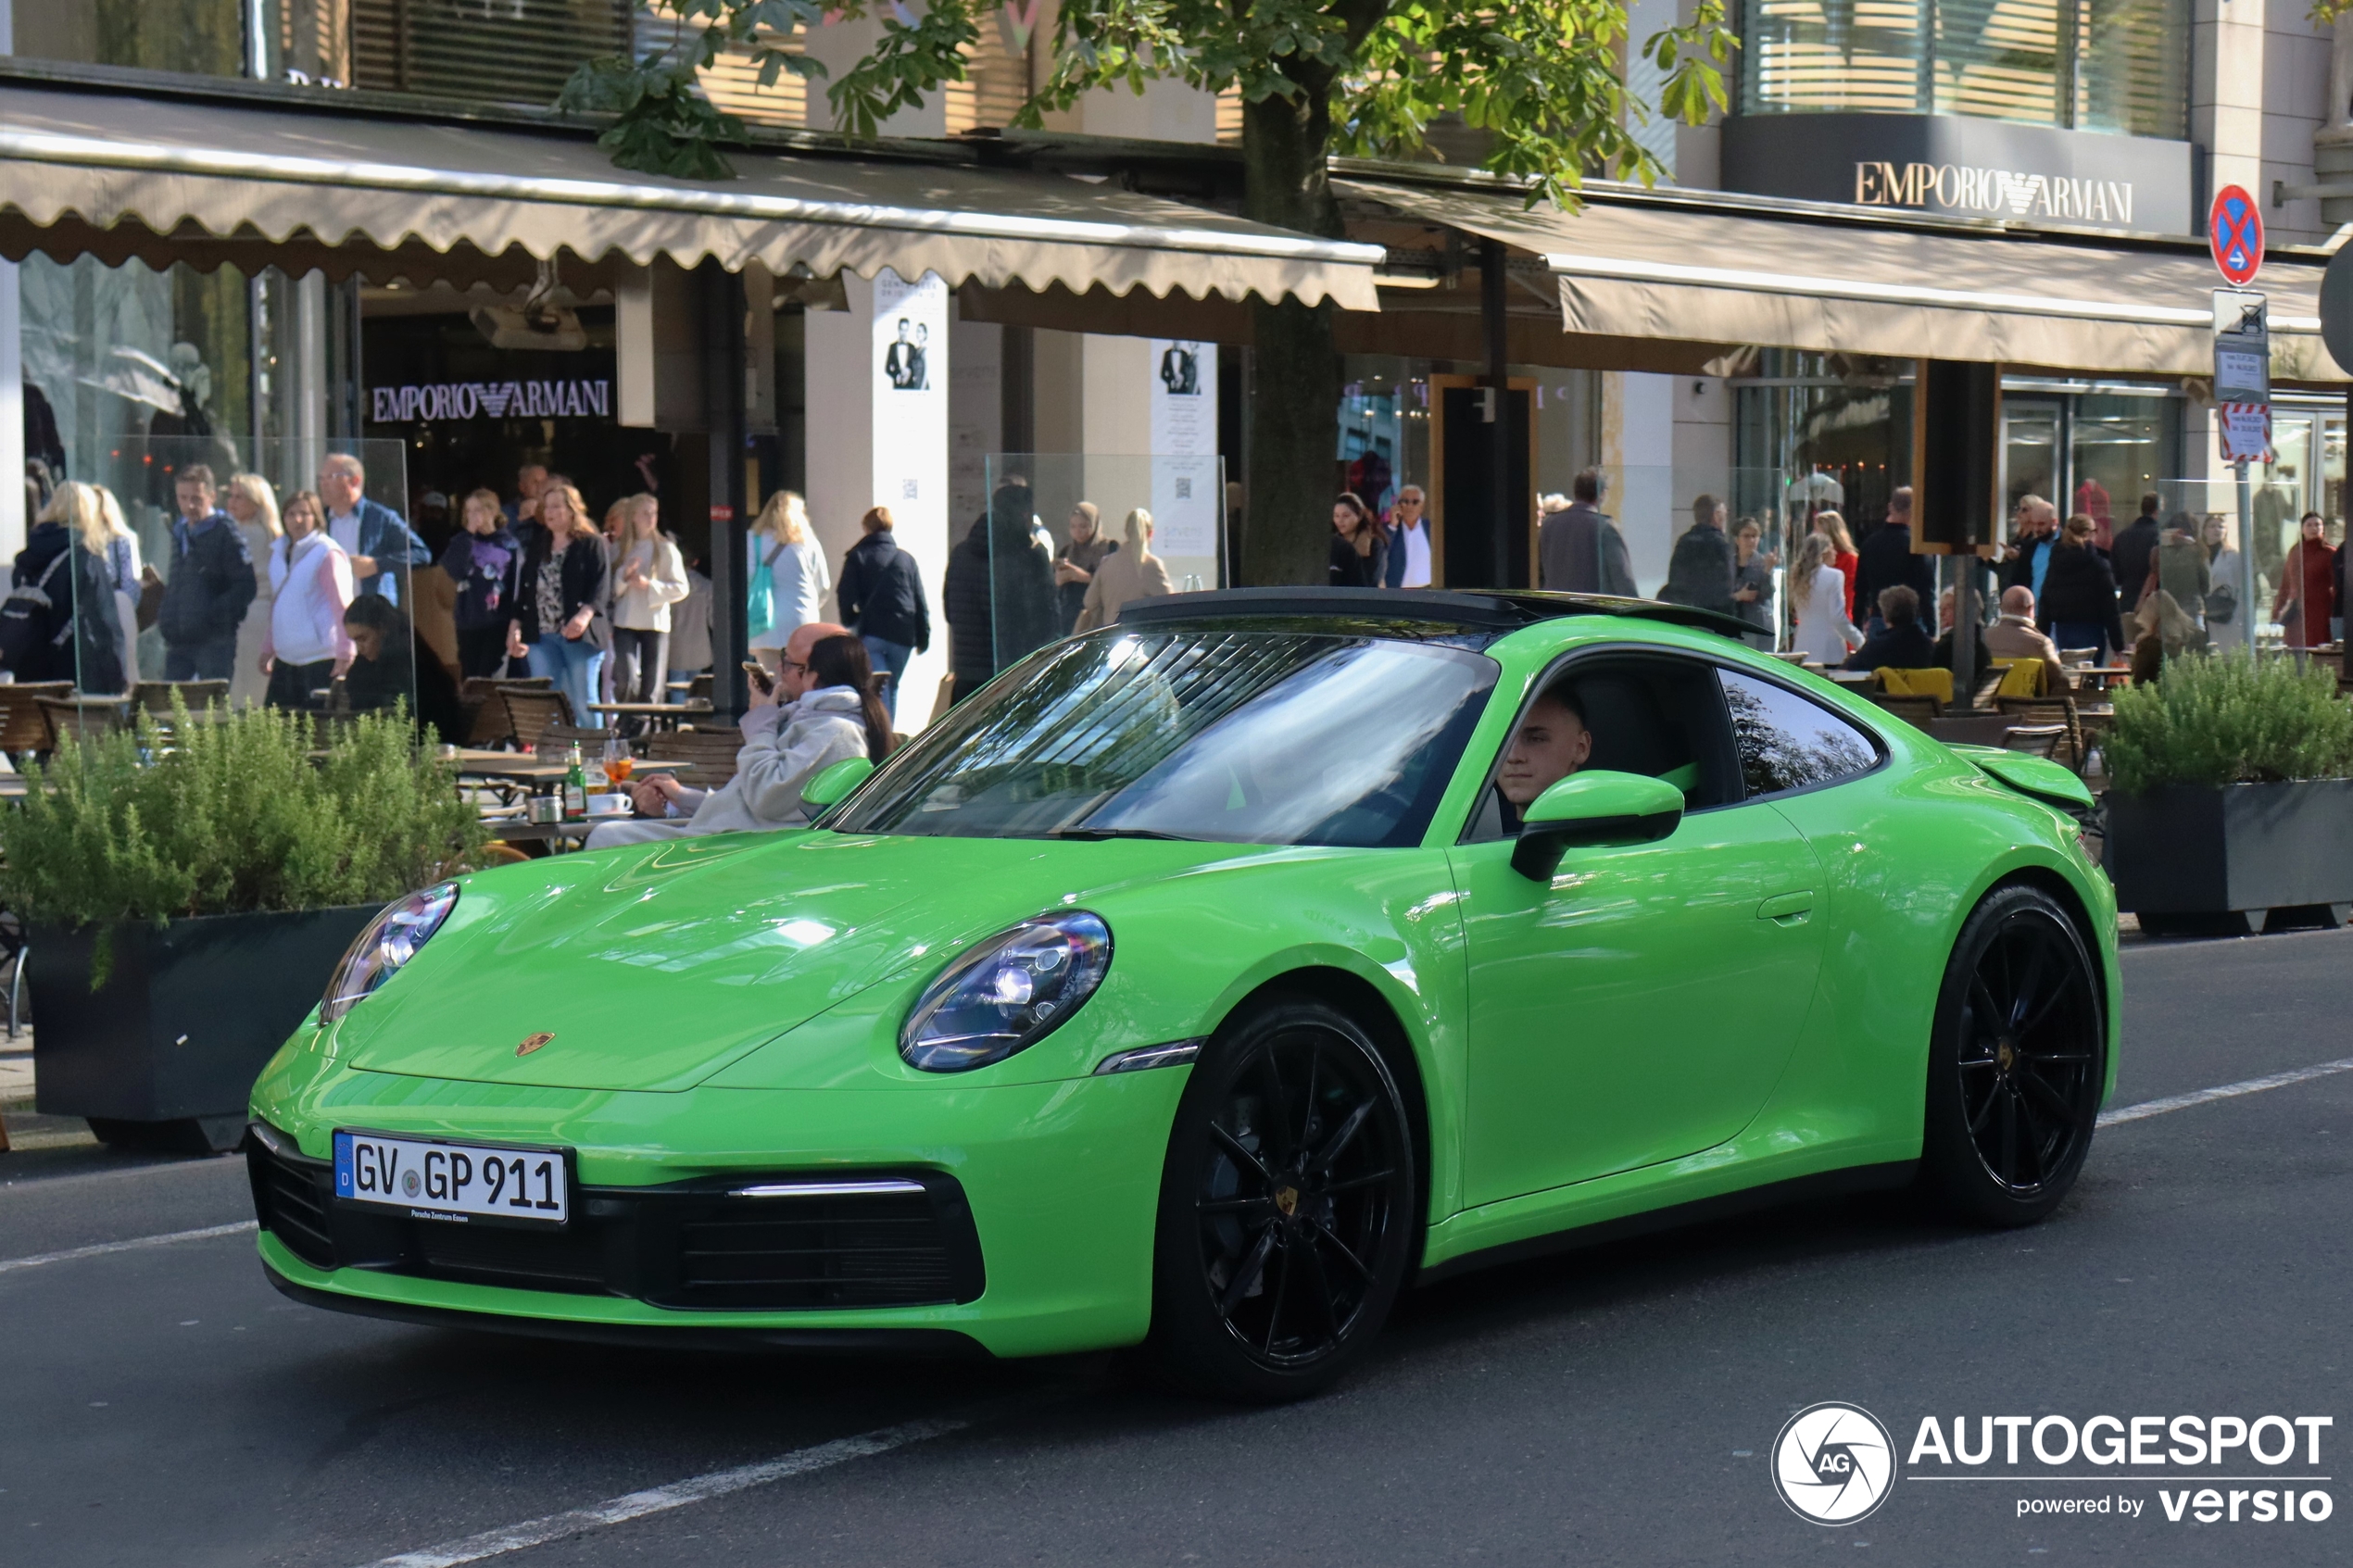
(782, 748)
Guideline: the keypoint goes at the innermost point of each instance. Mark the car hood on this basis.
(652, 968)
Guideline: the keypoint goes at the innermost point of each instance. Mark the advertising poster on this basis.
(1185, 502)
(909, 359)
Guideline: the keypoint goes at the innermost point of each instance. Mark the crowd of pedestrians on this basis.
(260, 595)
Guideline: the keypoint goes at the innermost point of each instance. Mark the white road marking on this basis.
(2225, 1091)
(659, 1500)
(133, 1245)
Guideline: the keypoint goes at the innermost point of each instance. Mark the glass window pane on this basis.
(2132, 68)
(1787, 742)
(1255, 737)
(2091, 65)
(1998, 59)
(1860, 56)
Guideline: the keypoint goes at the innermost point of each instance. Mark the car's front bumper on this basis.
(1061, 1181)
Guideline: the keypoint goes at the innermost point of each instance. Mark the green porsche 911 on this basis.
(1200, 983)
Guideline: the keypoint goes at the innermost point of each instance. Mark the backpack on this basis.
(35, 630)
(760, 597)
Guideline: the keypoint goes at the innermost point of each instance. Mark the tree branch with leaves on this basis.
(1543, 79)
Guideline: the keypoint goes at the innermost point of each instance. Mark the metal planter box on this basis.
(165, 1054)
(2231, 852)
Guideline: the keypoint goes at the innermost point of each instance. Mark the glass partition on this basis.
(2207, 510)
(1070, 537)
(231, 570)
(1636, 537)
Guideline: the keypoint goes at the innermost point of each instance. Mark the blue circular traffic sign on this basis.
(2234, 233)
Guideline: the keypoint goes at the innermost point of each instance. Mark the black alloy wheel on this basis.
(2018, 1062)
(1287, 1207)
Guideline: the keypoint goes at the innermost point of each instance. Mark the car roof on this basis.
(1488, 609)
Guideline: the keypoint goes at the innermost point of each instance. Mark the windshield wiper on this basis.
(1120, 833)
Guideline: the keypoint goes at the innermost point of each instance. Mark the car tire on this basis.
(1287, 1207)
(2016, 1064)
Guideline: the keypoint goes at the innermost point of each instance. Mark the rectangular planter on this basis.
(165, 1054)
(2243, 847)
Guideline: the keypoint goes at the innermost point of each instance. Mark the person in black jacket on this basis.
(1360, 551)
(562, 599)
(2078, 602)
(1884, 558)
(882, 601)
(391, 664)
(60, 621)
(1701, 569)
(971, 621)
(210, 585)
(1901, 642)
(1023, 605)
(2129, 551)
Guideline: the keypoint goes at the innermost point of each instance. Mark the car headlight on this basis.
(390, 940)
(1008, 993)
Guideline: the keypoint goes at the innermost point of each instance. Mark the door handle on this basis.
(1787, 909)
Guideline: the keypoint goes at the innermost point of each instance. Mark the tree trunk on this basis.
(1294, 403)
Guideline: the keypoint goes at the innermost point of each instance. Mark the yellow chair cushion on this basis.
(1937, 683)
(2020, 677)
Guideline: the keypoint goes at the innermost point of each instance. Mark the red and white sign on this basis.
(2246, 433)
(2234, 235)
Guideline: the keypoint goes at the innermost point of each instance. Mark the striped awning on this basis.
(329, 183)
(1713, 272)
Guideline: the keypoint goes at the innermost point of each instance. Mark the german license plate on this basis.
(435, 1180)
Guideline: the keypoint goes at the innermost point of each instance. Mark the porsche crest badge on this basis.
(532, 1043)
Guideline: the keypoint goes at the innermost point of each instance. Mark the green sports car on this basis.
(1201, 982)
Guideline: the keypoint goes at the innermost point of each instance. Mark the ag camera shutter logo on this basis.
(1833, 1463)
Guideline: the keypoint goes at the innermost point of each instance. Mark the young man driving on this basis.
(1551, 743)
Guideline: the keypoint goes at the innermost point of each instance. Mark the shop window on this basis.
(2095, 65)
(203, 37)
(516, 52)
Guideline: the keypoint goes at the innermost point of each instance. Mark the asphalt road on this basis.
(160, 1404)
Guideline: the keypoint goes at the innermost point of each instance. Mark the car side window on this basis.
(1645, 713)
(1789, 742)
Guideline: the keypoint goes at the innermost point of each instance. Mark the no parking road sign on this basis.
(2234, 233)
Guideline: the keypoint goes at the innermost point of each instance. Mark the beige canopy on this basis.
(255, 183)
(1711, 271)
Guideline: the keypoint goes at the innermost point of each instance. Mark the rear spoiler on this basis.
(2038, 778)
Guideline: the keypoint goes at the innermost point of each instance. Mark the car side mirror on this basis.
(831, 785)
(1589, 810)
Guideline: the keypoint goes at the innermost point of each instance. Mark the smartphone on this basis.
(757, 673)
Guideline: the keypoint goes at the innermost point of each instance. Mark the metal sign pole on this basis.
(2247, 553)
(2243, 402)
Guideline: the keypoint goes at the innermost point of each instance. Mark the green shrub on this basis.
(2218, 719)
(231, 816)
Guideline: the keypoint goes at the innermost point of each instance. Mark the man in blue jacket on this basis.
(210, 587)
(380, 545)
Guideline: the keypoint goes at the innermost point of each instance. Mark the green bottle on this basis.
(575, 787)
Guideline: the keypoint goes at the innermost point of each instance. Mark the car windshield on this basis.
(1234, 735)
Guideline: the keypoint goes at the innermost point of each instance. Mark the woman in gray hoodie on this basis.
(833, 714)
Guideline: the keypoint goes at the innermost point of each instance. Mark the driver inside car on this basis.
(1551, 743)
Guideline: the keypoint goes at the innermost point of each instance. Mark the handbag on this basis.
(150, 598)
(761, 596)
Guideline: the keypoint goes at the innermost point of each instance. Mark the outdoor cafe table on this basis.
(520, 766)
(664, 713)
(2100, 677)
